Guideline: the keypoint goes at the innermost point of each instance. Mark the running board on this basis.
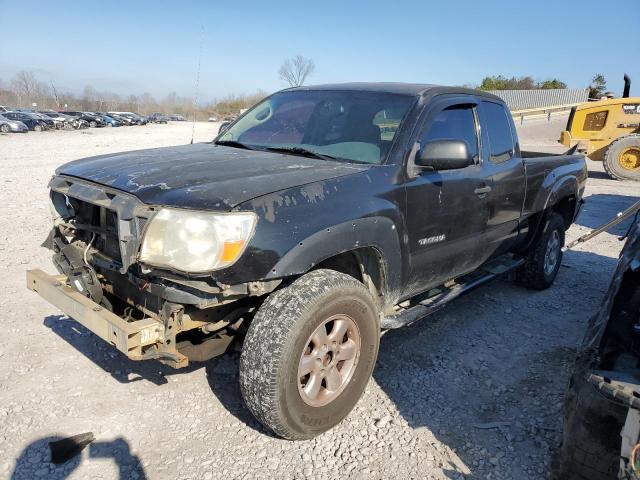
(488, 272)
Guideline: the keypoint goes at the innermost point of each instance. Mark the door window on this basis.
(499, 129)
(454, 123)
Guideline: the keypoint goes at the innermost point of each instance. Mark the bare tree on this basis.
(295, 71)
(24, 83)
(89, 96)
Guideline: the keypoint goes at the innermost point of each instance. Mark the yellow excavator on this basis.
(608, 130)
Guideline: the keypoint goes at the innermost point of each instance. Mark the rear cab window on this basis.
(497, 122)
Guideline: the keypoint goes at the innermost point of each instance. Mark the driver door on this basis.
(448, 210)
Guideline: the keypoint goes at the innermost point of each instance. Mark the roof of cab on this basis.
(413, 89)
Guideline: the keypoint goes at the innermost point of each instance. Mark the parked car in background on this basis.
(136, 119)
(73, 122)
(122, 118)
(224, 126)
(176, 118)
(91, 119)
(144, 118)
(110, 121)
(7, 125)
(212, 119)
(51, 125)
(59, 119)
(30, 120)
(94, 119)
(158, 117)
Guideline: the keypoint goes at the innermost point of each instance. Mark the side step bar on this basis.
(423, 308)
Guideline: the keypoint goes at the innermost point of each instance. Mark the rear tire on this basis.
(295, 331)
(37, 128)
(543, 260)
(622, 158)
(4, 128)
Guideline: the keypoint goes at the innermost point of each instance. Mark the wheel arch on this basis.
(562, 198)
(367, 249)
(365, 265)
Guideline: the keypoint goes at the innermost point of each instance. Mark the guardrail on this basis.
(540, 112)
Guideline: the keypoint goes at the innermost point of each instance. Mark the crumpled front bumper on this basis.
(133, 338)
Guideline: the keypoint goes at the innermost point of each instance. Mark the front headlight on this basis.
(196, 242)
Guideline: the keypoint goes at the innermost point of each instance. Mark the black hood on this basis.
(204, 176)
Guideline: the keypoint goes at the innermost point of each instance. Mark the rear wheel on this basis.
(4, 128)
(93, 124)
(309, 354)
(543, 260)
(37, 128)
(622, 158)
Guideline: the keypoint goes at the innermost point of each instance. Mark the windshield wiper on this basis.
(301, 151)
(233, 143)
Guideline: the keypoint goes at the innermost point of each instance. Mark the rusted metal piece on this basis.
(128, 337)
(208, 349)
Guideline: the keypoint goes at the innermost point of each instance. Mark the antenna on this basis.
(195, 100)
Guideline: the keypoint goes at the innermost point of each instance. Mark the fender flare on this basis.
(380, 233)
(565, 187)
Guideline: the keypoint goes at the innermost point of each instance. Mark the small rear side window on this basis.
(595, 121)
(499, 129)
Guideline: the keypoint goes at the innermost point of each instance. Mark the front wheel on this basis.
(4, 128)
(309, 354)
(37, 128)
(542, 263)
(622, 158)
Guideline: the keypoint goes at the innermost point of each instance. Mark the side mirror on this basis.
(224, 126)
(444, 155)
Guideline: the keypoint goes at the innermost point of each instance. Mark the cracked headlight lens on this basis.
(196, 242)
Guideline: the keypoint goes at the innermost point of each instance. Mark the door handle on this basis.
(481, 191)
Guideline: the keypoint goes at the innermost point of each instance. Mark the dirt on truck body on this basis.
(319, 217)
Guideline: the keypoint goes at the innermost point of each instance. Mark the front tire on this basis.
(4, 128)
(622, 158)
(37, 128)
(309, 354)
(542, 263)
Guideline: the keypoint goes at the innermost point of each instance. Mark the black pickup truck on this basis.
(319, 217)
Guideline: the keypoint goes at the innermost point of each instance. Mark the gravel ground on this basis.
(474, 391)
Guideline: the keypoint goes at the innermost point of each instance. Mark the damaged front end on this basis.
(601, 435)
(145, 312)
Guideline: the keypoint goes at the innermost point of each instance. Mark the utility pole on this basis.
(55, 94)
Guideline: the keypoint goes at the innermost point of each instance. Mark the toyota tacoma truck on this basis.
(320, 217)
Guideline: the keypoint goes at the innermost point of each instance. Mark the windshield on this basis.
(348, 125)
